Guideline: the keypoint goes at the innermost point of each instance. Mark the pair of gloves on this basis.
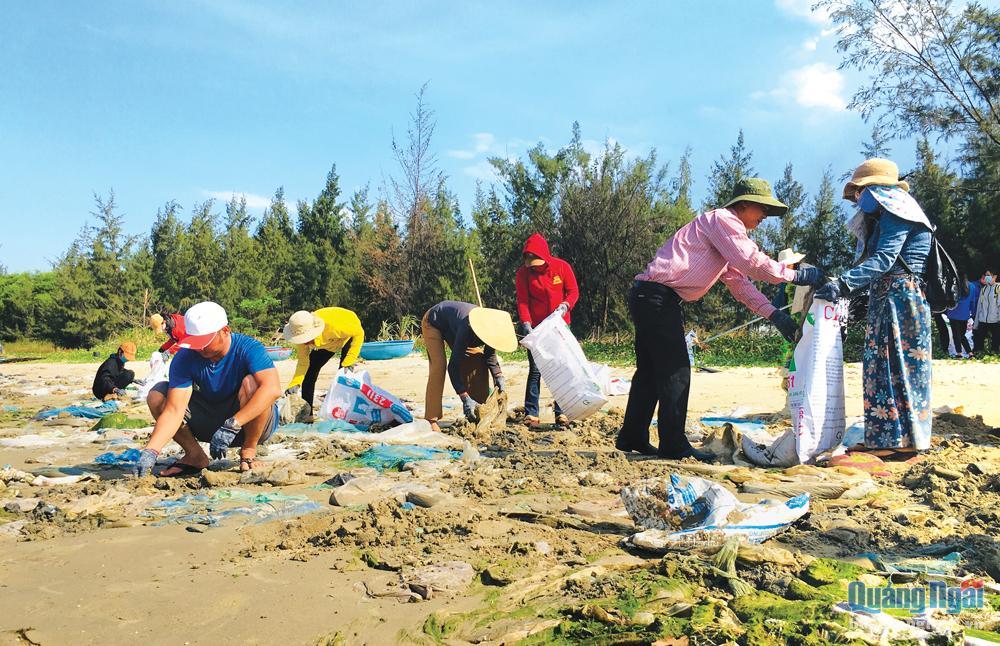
(829, 290)
(469, 404)
(222, 439)
(526, 325)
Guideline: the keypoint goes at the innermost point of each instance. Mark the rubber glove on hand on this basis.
(563, 308)
(223, 438)
(809, 277)
(144, 466)
(526, 328)
(831, 291)
(349, 369)
(785, 324)
(499, 382)
(469, 407)
(294, 390)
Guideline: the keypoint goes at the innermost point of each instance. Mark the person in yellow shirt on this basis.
(317, 336)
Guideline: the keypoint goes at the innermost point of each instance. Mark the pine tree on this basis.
(726, 172)
(825, 239)
(783, 233)
(276, 242)
(321, 245)
(166, 240)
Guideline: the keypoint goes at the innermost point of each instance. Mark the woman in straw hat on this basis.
(474, 334)
(317, 336)
(896, 375)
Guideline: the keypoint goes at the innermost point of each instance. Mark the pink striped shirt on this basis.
(712, 246)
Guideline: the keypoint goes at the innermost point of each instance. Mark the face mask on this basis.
(988, 280)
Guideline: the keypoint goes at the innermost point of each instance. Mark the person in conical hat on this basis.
(474, 334)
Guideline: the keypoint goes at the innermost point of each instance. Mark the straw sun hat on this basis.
(874, 172)
(789, 257)
(303, 327)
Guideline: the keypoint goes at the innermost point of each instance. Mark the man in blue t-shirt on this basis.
(222, 390)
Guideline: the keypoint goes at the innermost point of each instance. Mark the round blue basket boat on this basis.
(380, 350)
(278, 353)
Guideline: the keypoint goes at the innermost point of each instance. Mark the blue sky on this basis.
(188, 100)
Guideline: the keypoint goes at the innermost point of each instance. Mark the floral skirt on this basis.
(897, 365)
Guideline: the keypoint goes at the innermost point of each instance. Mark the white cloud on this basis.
(483, 142)
(257, 202)
(482, 170)
(803, 9)
(817, 86)
(810, 44)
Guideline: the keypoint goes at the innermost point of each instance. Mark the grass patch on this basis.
(146, 342)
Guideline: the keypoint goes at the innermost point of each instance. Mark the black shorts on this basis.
(204, 418)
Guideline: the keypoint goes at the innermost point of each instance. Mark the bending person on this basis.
(544, 284)
(713, 246)
(317, 336)
(474, 334)
(112, 377)
(222, 390)
(896, 374)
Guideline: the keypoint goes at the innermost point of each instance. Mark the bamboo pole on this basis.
(475, 282)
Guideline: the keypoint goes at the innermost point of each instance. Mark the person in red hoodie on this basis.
(544, 284)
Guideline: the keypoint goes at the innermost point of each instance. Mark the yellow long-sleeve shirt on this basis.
(342, 326)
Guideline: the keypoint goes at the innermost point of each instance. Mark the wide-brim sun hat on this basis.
(874, 172)
(755, 189)
(202, 322)
(303, 327)
(790, 257)
(494, 328)
(128, 349)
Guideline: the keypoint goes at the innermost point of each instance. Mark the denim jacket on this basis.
(892, 239)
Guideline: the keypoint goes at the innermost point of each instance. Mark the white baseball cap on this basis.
(202, 322)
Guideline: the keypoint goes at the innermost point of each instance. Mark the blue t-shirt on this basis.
(221, 380)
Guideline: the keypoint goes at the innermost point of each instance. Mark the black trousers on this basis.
(984, 330)
(958, 334)
(941, 322)
(317, 359)
(662, 370)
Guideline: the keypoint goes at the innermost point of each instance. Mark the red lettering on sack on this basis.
(338, 413)
(374, 397)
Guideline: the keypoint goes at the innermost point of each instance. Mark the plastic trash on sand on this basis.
(352, 397)
(683, 511)
(393, 457)
(211, 509)
(127, 457)
(565, 369)
(323, 426)
(96, 411)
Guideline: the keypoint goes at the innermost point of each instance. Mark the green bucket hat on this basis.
(755, 189)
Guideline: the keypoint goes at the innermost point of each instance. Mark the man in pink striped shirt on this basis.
(713, 246)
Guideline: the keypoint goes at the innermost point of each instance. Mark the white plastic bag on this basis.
(354, 399)
(816, 381)
(678, 511)
(815, 394)
(564, 368)
(158, 373)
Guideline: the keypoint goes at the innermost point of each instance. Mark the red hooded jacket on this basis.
(175, 332)
(540, 289)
